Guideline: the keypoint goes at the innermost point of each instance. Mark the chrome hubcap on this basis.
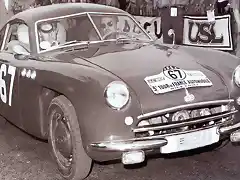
(62, 143)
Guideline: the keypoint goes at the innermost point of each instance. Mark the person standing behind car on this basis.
(231, 7)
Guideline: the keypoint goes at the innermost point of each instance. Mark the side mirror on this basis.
(21, 56)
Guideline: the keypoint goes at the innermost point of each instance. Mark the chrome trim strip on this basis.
(95, 27)
(163, 111)
(5, 37)
(136, 130)
(229, 128)
(141, 27)
(129, 145)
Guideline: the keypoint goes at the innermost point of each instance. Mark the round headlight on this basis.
(236, 76)
(117, 94)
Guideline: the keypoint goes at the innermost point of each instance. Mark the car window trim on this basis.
(78, 14)
(131, 17)
(94, 25)
(7, 26)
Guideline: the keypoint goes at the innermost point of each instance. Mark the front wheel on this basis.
(65, 140)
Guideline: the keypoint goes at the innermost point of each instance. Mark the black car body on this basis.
(112, 98)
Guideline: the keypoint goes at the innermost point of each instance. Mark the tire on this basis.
(72, 161)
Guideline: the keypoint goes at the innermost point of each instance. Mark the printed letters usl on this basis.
(205, 33)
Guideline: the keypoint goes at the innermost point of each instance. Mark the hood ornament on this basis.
(171, 33)
(189, 97)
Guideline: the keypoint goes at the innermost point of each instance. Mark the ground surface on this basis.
(22, 157)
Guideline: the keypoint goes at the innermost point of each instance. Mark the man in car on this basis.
(21, 45)
(108, 25)
(53, 33)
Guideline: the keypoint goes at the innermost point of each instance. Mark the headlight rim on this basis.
(105, 94)
(233, 76)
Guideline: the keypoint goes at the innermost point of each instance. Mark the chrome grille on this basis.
(185, 118)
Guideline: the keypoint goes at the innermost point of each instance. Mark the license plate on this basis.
(190, 141)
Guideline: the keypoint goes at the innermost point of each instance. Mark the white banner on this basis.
(199, 32)
(152, 25)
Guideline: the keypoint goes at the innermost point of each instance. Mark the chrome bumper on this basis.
(129, 145)
(146, 143)
(229, 129)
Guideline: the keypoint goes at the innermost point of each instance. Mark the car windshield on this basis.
(87, 28)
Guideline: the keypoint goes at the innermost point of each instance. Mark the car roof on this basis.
(34, 14)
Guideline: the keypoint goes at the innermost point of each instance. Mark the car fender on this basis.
(84, 87)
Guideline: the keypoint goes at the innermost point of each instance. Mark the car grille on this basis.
(185, 118)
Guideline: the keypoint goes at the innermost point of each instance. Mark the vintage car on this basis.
(74, 75)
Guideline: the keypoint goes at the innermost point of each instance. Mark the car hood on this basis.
(133, 65)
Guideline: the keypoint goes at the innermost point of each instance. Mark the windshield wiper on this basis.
(123, 40)
(76, 42)
(129, 40)
(70, 42)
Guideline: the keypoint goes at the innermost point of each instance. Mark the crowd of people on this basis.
(135, 7)
(156, 8)
(150, 8)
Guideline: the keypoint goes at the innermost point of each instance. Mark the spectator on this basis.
(231, 7)
(42, 2)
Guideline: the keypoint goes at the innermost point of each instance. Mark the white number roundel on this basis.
(3, 89)
(4, 71)
(175, 74)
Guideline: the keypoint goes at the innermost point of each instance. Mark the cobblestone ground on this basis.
(22, 157)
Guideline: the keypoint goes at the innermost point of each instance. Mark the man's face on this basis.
(50, 35)
(107, 25)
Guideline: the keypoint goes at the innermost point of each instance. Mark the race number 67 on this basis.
(176, 74)
(11, 70)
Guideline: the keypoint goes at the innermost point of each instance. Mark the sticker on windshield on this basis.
(173, 78)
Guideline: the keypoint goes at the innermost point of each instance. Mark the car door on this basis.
(10, 69)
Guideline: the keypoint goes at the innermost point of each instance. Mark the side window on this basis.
(2, 33)
(17, 40)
